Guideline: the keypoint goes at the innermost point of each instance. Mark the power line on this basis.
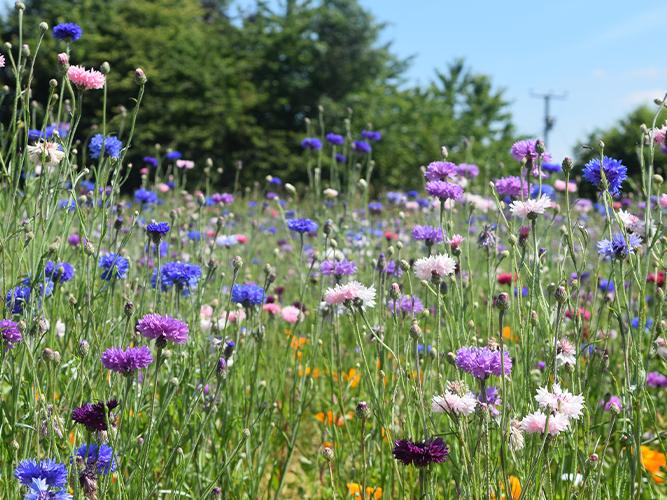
(549, 120)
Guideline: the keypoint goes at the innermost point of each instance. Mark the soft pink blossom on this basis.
(530, 208)
(537, 422)
(87, 79)
(349, 292)
(272, 308)
(205, 311)
(439, 265)
(561, 401)
(186, 164)
(63, 59)
(451, 402)
(291, 314)
(561, 185)
(163, 188)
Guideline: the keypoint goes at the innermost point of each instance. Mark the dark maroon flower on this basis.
(94, 415)
(420, 454)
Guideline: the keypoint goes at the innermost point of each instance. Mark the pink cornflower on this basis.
(63, 59)
(659, 134)
(291, 314)
(436, 265)
(186, 164)
(349, 293)
(452, 403)
(272, 308)
(2, 61)
(561, 401)
(561, 185)
(87, 79)
(565, 353)
(455, 241)
(536, 423)
(205, 311)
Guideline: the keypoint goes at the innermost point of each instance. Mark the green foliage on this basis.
(238, 88)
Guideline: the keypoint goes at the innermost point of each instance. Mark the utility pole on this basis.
(549, 121)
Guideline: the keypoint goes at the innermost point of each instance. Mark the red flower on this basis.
(580, 312)
(506, 278)
(389, 236)
(657, 278)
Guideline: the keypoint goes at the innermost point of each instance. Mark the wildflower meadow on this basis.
(167, 336)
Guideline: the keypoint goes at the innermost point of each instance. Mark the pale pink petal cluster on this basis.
(291, 314)
(47, 152)
(561, 185)
(536, 423)
(272, 308)
(565, 353)
(441, 265)
(452, 403)
(531, 207)
(186, 164)
(633, 223)
(2, 61)
(351, 292)
(87, 79)
(560, 401)
(659, 134)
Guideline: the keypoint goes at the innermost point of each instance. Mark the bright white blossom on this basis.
(561, 401)
(45, 152)
(439, 265)
(530, 208)
(536, 423)
(451, 402)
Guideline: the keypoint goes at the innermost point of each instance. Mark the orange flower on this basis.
(298, 342)
(354, 489)
(314, 372)
(352, 377)
(655, 463)
(71, 438)
(508, 335)
(328, 418)
(515, 487)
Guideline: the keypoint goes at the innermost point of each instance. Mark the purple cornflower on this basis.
(527, 150)
(312, 143)
(512, 186)
(371, 135)
(439, 170)
(95, 415)
(10, 333)
(614, 171)
(163, 328)
(151, 161)
(656, 379)
(491, 399)
(127, 361)
(361, 147)
(302, 225)
(428, 234)
(52, 472)
(467, 170)
(338, 268)
(481, 362)
(406, 304)
(618, 247)
(335, 139)
(444, 190)
(420, 454)
(614, 402)
(375, 207)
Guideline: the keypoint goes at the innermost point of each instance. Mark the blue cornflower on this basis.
(302, 225)
(276, 181)
(113, 266)
(62, 129)
(361, 147)
(61, 272)
(156, 230)
(634, 323)
(53, 473)
(311, 143)
(86, 186)
(340, 158)
(546, 190)
(69, 205)
(112, 146)
(40, 490)
(174, 155)
(552, 168)
(67, 32)
(375, 207)
(194, 235)
(247, 295)
(99, 456)
(335, 139)
(17, 298)
(618, 247)
(151, 161)
(606, 286)
(614, 171)
(145, 197)
(371, 135)
(35, 135)
(183, 276)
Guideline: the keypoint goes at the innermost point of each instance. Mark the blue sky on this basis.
(608, 56)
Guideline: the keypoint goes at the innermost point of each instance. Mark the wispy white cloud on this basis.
(632, 26)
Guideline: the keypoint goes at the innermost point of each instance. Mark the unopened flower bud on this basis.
(502, 301)
(415, 330)
(105, 68)
(560, 294)
(362, 410)
(140, 76)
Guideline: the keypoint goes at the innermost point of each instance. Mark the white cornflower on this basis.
(560, 400)
(438, 265)
(451, 402)
(530, 208)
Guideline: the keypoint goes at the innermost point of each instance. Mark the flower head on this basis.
(444, 190)
(51, 472)
(17, 298)
(10, 334)
(536, 423)
(619, 247)
(98, 456)
(452, 403)
(361, 147)
(351, 293)
(338, 268)
(248, 295)
(530, 208)
(127, 361)
(527, 150)
(60, 272)
(112, 146)
(440, 266)
(371, 135)
(561, 401)
(312, 143)
(163, 328)
(420, 454)
(157, 230)
(481, 362)
(49, 153)
(114, 266)
(614, 172)
(145, 197)
(512, 186)
(95, 415)
(428, 234)
(183, 276)
(335, 139)
(68, 32)
(86, 79)
(656, 379)
(302, 225)
(440, 171)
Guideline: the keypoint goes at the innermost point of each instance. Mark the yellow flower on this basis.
(352, 377)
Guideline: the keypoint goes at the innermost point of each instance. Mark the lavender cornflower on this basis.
(302, 225)
(428, 234)
(444, 190)
(163, 328)
(98, 457)
(61, 272)
(114, 266)
(183, 276)
(312, 143)
(51, 472)
(511, 186)
(618, 247)
(151, 161)
(340, 158)
(126, 361)
(481, 362)
(10, 334)
(406, 304)
(248, 295)
(420, 454)
(491, 399)
(656, 380)
(468, 170)
(338, 268)
(439, 170)
(613, 403)
(67, 32)
(335, 139)
(527, 150)
(614, 172)
(95, 415)
(487, 237)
